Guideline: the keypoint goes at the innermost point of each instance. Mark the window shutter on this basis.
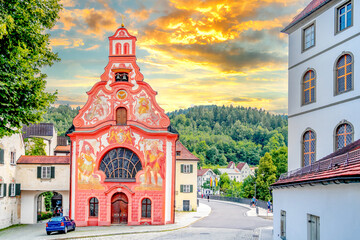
(9, 190)
(52, 172)
(191, 188)
(191, 168)
(4, 189)
(38, 172)
(182, 168)
(1, 156)
(17, 189)
(181, 188)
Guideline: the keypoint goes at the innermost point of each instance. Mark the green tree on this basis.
(266, 175)
(48, 196)
(280, 159)
(248, 187)
(35, 147)
(224, 183)
(24, 51)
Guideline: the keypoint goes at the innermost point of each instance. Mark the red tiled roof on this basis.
(185, 154)
(202, 171)
(344, 163)
(308, 10)
(229, 165)
(62, 148)
(240, 165)
(43, 160)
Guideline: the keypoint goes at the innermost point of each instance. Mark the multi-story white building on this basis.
(205, 175)
(11, 148)
(237, 172)
(324, 98)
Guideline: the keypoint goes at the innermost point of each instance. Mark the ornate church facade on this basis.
(123, 149)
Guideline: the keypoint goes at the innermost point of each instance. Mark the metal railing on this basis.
(326, 164)
(260, 203)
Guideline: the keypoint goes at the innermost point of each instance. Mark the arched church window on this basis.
(146, 208)
(120, 165)
(121, 77)
(93, 207)
(344, 74)
(126, 48)
(121, 116)
(309, 148)
(118, 48)
(344, 135)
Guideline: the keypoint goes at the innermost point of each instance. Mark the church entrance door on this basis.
(119, 208)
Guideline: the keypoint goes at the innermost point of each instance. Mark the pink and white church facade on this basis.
(122, 152)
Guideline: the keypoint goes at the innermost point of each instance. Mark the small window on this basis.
(46, 172)
(283, 224)
(344, 135)
(186, 168)
(121, 116)
(93, 207)
(178, 153)
(2, 190)
(344, 16)
(126, 48)
(309, 37)
(186, 188)
(344, 74)
(308, 148)
(118, 49)
(12, 190)
(313, 227)
(1, 156)
(121, 77)
(309, 87)
(146, 208)
(12, 158)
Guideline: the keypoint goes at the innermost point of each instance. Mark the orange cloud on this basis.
(66, 42)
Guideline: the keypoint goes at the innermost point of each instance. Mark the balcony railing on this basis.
(326, 164)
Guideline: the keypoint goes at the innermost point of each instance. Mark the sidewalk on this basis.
(182, 220)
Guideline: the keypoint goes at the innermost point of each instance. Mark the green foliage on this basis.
(216, 171)
(45, 215)
(248, 187)
(280, 157)
(224, 183)
(266, 175)
(24, 51)
(35, 147)
(48, 196)
(62, 117)
(224, 134)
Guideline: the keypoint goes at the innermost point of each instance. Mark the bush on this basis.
(46, 215)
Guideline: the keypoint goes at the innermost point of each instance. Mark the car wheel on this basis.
(74, 227)
(48, 232)
(65, 230)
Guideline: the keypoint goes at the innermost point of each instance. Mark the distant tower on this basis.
(123, 155)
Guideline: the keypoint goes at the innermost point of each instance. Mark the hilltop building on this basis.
(206, 175)
(316, 198)
(123, 149)
(237, 172)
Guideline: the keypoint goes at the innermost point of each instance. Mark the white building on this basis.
(45, 131)
(324, 96)
(203, 176)
(237, 172)
(11, 148)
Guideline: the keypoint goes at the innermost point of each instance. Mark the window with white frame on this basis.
(187, 168)
(283, 224)
(344, 16)
(12, 158)
(12, 190)
(46, 172)
(2, 190)
(309, 36)
(186, 188)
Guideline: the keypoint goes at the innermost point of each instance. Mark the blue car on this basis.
(62, 224)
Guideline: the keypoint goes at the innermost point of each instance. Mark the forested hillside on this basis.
(218, 135)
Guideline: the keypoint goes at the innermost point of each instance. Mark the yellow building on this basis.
(186, 179)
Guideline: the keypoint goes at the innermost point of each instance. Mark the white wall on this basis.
(336, 205)
(324, 118)
(9, 206)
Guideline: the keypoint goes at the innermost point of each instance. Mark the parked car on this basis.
(62, 224)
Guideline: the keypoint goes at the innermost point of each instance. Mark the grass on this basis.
(12, 226)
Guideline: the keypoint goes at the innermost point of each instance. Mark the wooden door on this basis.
(119, 208)
(121, 116)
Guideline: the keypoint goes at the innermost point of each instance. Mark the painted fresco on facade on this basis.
(144, 110)
(99, 110)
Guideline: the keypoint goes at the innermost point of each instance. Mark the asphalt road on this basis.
(226, 221)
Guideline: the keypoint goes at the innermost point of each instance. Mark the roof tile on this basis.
(43, 160)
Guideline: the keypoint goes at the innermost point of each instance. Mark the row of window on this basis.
(313, 226)
(118, 49)
(343, 21)
(145, 207)
(343, 79)
(12, 157)
(343, 137)
(14, 190)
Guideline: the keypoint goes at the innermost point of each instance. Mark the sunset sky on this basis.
(192, 52)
